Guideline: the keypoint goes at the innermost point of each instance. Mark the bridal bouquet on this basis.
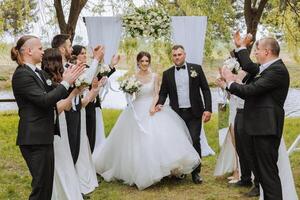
(83, 79)
(130, 85)
(104, 70)
(232, 64)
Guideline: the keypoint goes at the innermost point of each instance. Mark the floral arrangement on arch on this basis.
(150, 22)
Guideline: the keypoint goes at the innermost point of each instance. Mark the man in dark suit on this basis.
(182, 83)
(264, 98)
(92, 106)
(73, 117)
(37, 113)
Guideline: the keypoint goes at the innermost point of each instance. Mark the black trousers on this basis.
(90, 113)
(244, 149)
(194, 125)
(40, 161)
(73, 119)
(265, 150)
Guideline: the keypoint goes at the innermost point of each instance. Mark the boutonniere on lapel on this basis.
(194, 74)
(257, 76)
(48, 82)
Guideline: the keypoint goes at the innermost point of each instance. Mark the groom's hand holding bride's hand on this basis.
(152, 110)
(206, 116)
(158, 107)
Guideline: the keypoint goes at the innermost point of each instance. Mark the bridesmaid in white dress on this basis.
(84, 166)
(144, 147)
(227, 161)
(65, 182)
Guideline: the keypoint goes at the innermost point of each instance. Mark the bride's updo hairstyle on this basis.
(17, 51)
(141, 54)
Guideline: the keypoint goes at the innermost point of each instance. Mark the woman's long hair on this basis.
(17, 51)
(52, 64)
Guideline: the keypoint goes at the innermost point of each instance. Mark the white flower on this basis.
(77, 83)
(257, 76)
(232, 64)
(49, 82)
(193, 73)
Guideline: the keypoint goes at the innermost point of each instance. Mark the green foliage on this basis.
(160, 51)
(17, 15)
(283, 20)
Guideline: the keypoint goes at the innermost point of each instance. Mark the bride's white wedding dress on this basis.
(141, 152)
(285, 174)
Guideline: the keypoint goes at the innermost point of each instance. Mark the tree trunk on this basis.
(75, 9)
(252, 15)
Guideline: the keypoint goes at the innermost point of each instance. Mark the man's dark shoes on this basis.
(254, 192)
(241, 183)
(197, 178)
(85, 196)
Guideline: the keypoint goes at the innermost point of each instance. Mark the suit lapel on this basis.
(189, 72)
(172, 80)
(38, 80)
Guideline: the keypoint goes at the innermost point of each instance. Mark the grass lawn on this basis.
(15, 178)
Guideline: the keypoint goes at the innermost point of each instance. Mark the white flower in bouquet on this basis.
(130, 85)
(232, 64)
(82, 80)
(104, 70)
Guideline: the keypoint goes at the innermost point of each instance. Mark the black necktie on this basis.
(181, 67)
(40, 74)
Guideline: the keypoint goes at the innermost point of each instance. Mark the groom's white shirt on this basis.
(182, 85)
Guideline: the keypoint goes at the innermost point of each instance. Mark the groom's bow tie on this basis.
(181, 67)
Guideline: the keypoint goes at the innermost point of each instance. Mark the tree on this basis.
(69, 26)
(17, 15)
(253, 11)
(283, 19)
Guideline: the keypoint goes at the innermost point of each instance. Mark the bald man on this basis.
(264, 94)
(37, 103)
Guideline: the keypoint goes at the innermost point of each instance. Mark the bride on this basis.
(143, 157)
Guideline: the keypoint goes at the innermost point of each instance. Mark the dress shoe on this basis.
(241, 183)
(180, 177)
(84, 196)
(197, 178)
(254, 192)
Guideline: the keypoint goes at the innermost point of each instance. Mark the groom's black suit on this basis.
(36, 127)
(264, 98)
(192, 116)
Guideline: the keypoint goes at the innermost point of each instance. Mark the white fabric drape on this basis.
(104, 31)
(189, 31)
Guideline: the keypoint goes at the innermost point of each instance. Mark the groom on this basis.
(182, 83)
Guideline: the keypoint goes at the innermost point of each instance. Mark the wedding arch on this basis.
(188, 31)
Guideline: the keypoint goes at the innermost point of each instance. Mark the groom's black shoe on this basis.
(241, 183)
(196, 178)
(254, 192)
(85, 196)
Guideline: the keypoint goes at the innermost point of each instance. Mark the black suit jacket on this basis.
(36, 104)
(168, 88)
(264, 96)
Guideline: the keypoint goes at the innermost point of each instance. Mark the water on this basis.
(116, 100)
